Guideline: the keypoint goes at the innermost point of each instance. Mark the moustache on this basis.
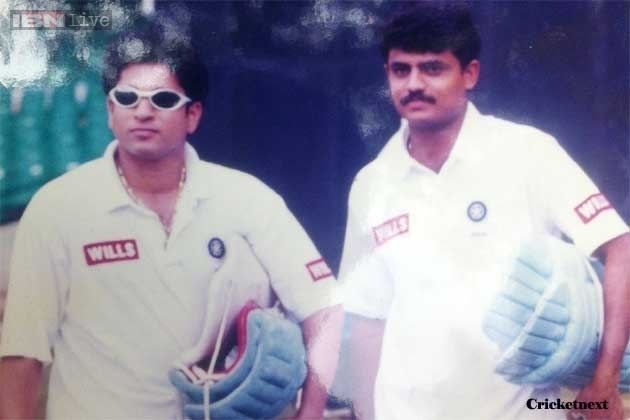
(417, 96)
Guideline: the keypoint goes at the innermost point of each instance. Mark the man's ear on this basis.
(193, 114)
(471, 74)
(110, 110)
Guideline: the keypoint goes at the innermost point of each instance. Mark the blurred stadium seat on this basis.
(44, 132)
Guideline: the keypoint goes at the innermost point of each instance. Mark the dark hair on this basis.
(157, 40)
(433, 27)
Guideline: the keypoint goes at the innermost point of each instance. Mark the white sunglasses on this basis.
(165, 99)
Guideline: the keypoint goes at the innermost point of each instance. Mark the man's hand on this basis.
(597, 393)
(364, 349)
(322, 337)
(20, 386)
(615, 334)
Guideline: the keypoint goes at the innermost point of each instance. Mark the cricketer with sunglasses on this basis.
(112, 291)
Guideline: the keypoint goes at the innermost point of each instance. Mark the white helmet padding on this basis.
(269, 370)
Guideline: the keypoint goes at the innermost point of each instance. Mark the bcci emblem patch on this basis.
(477, 211)
(216, 248)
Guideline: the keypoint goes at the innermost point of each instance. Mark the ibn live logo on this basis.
(61, 19)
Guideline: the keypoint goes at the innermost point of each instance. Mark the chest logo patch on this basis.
(390, 229)
(477, 211)
(216, 248)
(318, 269)
(111, 251)
(588, 209)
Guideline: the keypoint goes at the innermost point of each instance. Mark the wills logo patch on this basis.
(588, 209)
(391, 228)
(318, 269)
(111, 251)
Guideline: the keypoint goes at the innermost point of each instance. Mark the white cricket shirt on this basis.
(426, 252)
(97, 288)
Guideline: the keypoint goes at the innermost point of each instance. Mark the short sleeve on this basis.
(299, 275)
(37, 287)
(573, 202)
(366, 285)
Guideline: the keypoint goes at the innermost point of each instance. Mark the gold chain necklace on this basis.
(166, 221)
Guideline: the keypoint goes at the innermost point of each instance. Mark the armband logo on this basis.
(391, 228)
(588, 209)
(318, 269)
(111, 251)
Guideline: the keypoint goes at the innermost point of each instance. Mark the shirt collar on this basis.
(399, 162)
(118, 197)
(467, 145)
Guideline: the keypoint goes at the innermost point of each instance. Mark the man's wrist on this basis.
(606, 378)
(311, 409)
